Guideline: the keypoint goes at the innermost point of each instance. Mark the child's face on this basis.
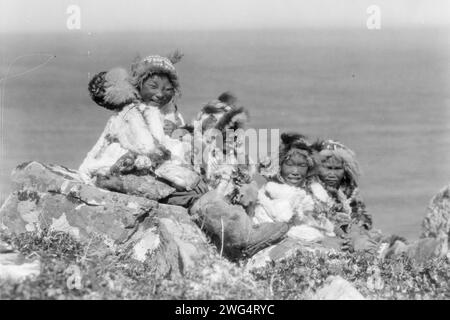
(331, 172)
(294, 169)
(211, 120)
(157, 90)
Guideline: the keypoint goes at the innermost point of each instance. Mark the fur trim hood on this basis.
(116, 88)
(330, 148)
(270, 168)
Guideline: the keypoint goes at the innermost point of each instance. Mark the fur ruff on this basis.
(291, 141)
(233, 119)
(141, 69)
(346, 155)
(118, 89)
(289, 138)
(228, 97)
(214, 107)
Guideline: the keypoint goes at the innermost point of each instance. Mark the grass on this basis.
(117, 277)
(397, 278)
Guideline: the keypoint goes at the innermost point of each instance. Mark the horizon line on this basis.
(228, 29)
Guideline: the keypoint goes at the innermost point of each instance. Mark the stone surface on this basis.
(337, 288)
(142, 186)
(179, 176)
(53, 197)
(14, 267)
(437, 219)
(436, 224)
(421, 250)
(283, 250)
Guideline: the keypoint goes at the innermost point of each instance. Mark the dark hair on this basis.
(290, 141)
(96, 89)
(228, 98)
(293, 140)
(351, 167)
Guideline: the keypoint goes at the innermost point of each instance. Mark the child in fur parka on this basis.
(337, 193)
(285, 196)
(224, 212)
(137, 138)
(337, 190)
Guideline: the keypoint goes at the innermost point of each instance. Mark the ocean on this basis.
(384, 93)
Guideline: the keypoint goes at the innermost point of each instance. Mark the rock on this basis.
(53, 197)
(14, 267)
(142, 186)
(437, 219)
(337, 288)
(423, 250)
(283, 250)
(179, 176)
(435, 229)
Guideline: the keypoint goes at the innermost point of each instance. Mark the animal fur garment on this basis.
(141, 69)
(214, 107)
(289, 138)
(137, 129)
(329, 148)
(116, 88)
(290, 142)
(228, 97)
(233, 119)
(112, 90)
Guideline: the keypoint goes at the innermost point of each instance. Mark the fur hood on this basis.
(117, 87)
(330, 148)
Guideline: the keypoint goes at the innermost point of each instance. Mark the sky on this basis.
(157, 15)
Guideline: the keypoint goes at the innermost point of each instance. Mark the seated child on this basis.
(285, 198)
(223, 212)
(135, 135)
(342, 221)
(337, 193)
(207, 119)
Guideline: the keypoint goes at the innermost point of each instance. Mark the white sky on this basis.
(144, 15)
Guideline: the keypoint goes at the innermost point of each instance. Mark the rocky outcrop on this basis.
(283, 250)
(437, 219)
(337, 288)
(436, 223)
(53, 197)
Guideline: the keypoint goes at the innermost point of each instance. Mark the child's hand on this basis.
(169, 127)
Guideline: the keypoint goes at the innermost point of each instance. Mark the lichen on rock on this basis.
(54, 198)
